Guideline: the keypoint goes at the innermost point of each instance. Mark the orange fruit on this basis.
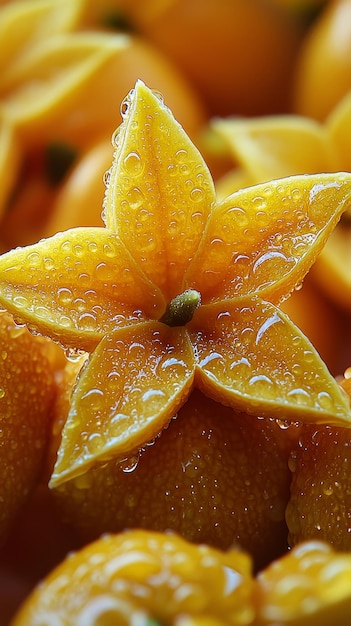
(27, 391)
(78, 201)
(149, 577)
(74, 103)
(214, 476)
(308, 586)
(239, 54)
(320, 502)
(323, 68)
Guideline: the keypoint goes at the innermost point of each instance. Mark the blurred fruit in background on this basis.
(238, 54)
(323, 67)
(150, 577)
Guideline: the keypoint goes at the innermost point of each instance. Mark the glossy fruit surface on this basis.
(213, 475)
(320, 501)
(154, 578)
(27, 392)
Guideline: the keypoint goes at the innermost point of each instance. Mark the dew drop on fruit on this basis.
(125, 104)
(2, 392)
(21, 302)
(87, 322)
(196, 194)
(95, 443)
(94, 398)
(107, 177)
(325, 400)
(64, 295)
(129, 465)
(133, 164)
(299, 396)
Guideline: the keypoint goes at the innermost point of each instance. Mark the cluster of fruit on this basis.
(161, 412)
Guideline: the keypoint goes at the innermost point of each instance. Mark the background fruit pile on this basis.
(65, 67)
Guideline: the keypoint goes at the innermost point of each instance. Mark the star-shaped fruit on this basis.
(178, 290)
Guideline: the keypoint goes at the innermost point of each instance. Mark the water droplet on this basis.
(109, 250)
(64, 295)
(4, 355)
(103, 271)
(172, 170)
(2, 392)
(129, 465)
(33, 259)
(115, 137)
(21, 302)
(328, 491)
(260, 380)
(49, 263)
(93, 398)
(325, 400)
(73, 354)
(133, 164)
(107, 177)
(158, 95)
(87, 321)
(300, 396)
(259, 202)
(135, 198)
(238, 215)
(65, 321)
(271, 255)
(196, 194)
(173, 366)
(126, 104)
(155, 398)
(95, 443)
(66, 247)
(297, 369)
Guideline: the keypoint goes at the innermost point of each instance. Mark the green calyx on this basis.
(181, 309)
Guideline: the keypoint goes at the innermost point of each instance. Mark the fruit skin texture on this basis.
(27, 391)
(320, 502)
(144, 578)
(323, 68)
(214, 476)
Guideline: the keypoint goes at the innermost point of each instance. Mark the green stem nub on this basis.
(181, 309)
